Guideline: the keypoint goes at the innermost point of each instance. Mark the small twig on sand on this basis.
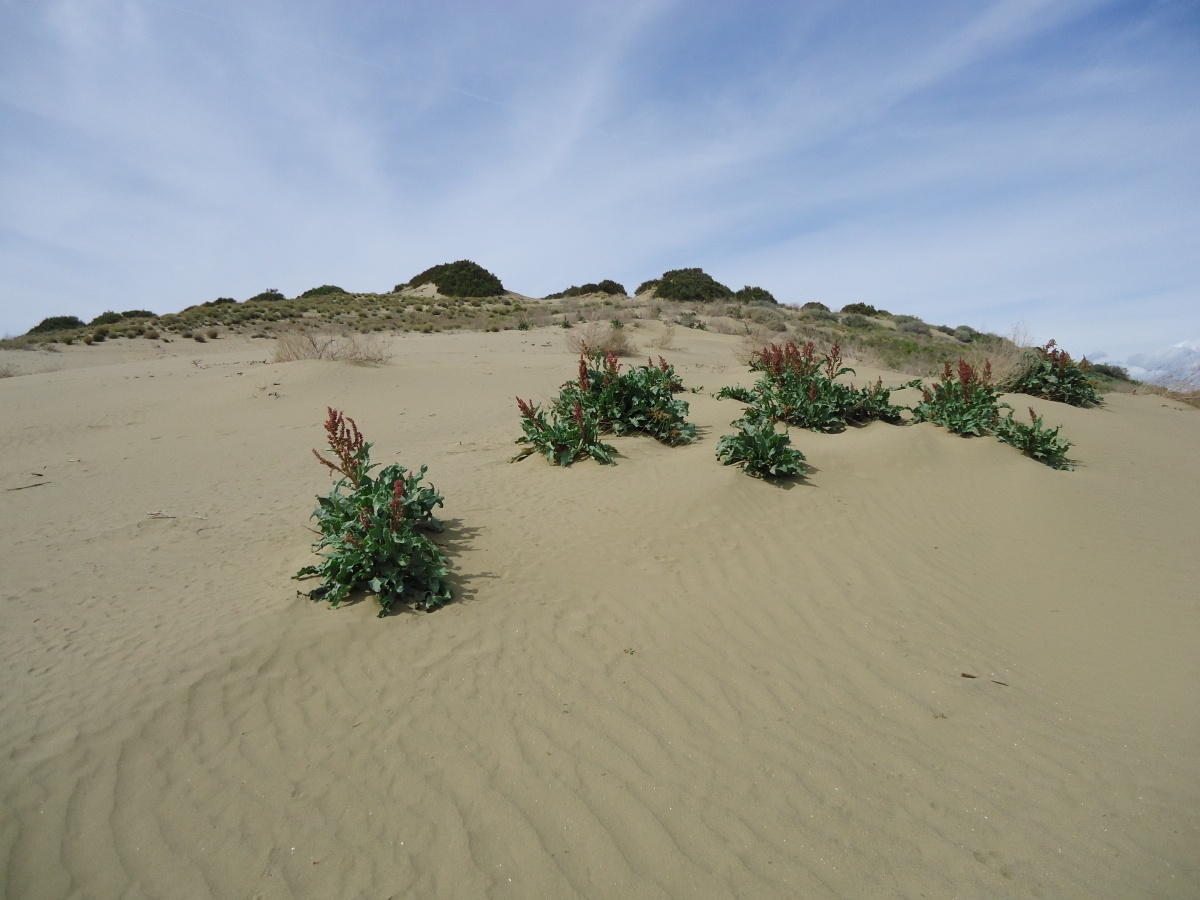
(26, 487)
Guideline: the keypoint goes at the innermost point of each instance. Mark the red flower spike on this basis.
(345, 442)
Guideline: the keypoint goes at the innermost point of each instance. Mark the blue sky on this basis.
(979, 163)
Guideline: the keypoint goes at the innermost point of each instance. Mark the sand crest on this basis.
(660, 679)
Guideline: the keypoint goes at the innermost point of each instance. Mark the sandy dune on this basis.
(661, 679)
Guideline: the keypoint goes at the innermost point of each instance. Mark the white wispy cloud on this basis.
(973, 164)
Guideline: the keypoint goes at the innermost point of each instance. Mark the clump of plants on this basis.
(458, 279)
(964, 402)
(967, 403)
(372, 528)
(602, 400)
(1035, 440)
(563, 435)
(761, 450)
(1050, 373)
(799, 387)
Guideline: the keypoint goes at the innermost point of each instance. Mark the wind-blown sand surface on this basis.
(660, 679)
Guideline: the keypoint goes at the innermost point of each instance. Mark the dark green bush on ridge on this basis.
(863, 309)
(322, 291)
(607, 286)
(268, 294)
(56, 323)
(106, 318)
(458, 279)
(750, 294)
(688, 285)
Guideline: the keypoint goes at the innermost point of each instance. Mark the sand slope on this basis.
(662, 679)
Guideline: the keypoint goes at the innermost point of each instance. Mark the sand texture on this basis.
(659, 679)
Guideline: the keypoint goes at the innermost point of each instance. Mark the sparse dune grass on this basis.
(602, 337)
(296, 345)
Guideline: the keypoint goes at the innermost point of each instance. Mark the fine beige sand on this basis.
(659, 679)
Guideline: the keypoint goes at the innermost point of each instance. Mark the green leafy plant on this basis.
(760, 450)
(799, 388)
(603, 400)
(371, 528)
(734, 392)
(964, 402)
(1035, 440)
(1050, 373)
(564, 436)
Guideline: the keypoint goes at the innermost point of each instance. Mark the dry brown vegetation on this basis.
(601, 336)
(295, 345)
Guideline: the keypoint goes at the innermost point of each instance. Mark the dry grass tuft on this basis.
(601, 336)
(294, 345)
(665, 339)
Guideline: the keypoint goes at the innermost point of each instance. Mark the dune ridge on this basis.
(660, 679)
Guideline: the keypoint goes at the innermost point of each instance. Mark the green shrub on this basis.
(56, 323)
(458, 279)
(106, 318)
(370, 529)
(822, 315)
(1035, 440)
(863, 309)
(914, 327)
(1116, 373)
(269, 295)
(322, 291)
(855, 320)
(690, 285)
(1050, 373)
(967, 404)
(760, 450)
(138, 314)
(225, 301)
(650, 285)
(814, 305)
(750, 294)
(607, 286)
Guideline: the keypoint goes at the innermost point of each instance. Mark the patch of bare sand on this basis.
(661, 679)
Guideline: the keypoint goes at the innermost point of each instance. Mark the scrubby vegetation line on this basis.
(463, 295)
